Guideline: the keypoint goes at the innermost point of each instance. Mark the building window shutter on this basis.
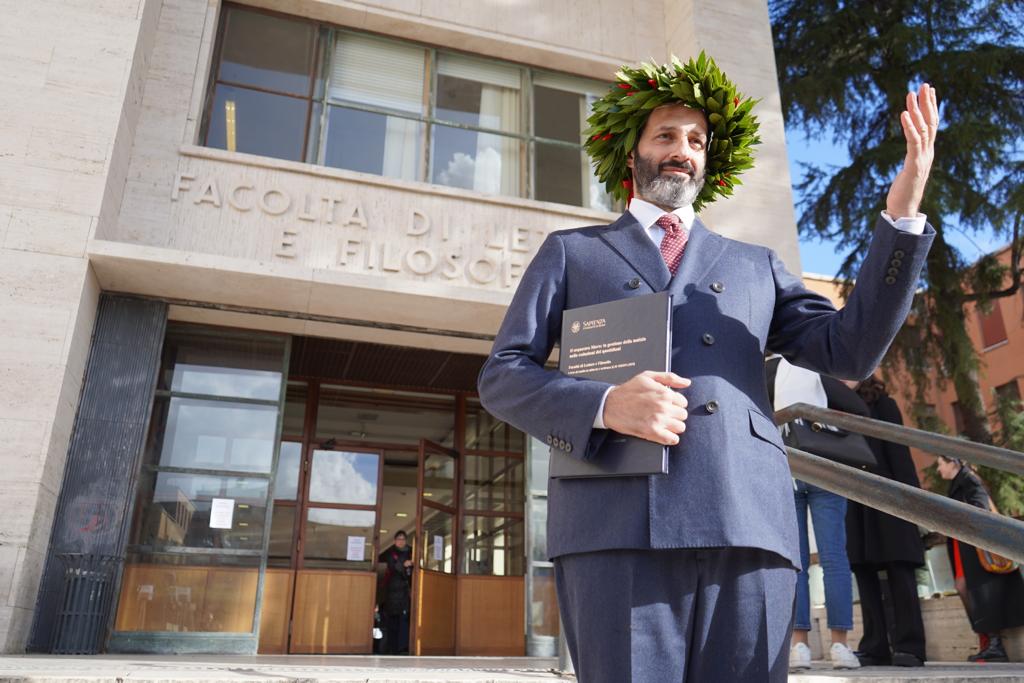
(377, 72)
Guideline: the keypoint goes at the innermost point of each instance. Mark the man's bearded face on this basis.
(662, 184)
(668, 162)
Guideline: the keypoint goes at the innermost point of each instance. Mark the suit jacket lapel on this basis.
(630, 241)
(702, 250)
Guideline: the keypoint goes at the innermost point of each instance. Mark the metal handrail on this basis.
(938, 444)
(1003, 535)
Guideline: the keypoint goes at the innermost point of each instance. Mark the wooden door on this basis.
(319, 597)
(491, 618)
(436, 548)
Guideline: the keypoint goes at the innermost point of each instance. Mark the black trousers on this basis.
(397, 633)
(903, 628)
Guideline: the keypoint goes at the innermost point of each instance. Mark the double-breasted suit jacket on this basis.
(729, 482)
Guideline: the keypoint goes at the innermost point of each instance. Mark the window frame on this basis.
(317, 131)
(215, 73)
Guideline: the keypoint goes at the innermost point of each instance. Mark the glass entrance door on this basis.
(327, 536)
(434, 582)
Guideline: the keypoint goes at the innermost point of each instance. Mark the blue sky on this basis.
(822, 257)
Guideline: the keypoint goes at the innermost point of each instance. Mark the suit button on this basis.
(890, 280)
(893, 271)
(634, 283)
(717, 287)
(568, 448)
(708, 339)
(561, 444)
(711, 406)
(898, 253)
(895, 263)
(551, 440)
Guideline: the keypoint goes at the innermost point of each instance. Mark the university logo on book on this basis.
(575, 327)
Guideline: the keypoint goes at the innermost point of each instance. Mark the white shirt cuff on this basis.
(912, 224)
(599, 418)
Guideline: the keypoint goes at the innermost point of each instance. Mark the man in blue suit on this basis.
(690, 576)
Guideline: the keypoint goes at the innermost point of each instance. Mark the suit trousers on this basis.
(677, 615)
(905, 628)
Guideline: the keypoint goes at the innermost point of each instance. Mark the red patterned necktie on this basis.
(674, 241)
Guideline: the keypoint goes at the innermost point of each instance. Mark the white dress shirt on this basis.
(646, 214)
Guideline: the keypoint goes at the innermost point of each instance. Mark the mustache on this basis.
(681, 165)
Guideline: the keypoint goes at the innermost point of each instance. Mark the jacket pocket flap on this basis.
(765, 429)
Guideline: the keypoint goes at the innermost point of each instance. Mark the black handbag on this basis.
(831, 443)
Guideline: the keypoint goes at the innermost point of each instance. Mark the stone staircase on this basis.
(303, 669)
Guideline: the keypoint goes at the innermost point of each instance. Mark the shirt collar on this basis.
(646, 214)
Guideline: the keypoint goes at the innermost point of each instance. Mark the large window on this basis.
(293, 89)
(199, 528)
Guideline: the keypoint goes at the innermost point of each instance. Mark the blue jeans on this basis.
(828, 514)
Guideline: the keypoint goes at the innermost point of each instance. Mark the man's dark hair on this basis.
(400, 534)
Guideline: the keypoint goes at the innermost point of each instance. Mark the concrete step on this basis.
(304, 668)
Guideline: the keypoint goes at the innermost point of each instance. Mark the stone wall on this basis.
(72, 73)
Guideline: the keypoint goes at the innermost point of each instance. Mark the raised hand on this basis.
(920, 123)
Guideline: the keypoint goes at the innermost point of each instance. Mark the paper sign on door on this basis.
(438, 548)
(356, 549)
(222, 510)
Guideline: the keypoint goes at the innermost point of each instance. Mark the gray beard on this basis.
(672, 191)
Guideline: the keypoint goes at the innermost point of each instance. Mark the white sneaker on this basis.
(842, 657)
(799, 657)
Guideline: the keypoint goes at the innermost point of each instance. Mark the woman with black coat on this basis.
(993, 601)
(876, 541)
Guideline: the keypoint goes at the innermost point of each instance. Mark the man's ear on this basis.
(629, 160)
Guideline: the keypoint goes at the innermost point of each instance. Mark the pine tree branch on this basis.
(1016, 250)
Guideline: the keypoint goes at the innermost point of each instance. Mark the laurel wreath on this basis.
(619, 116)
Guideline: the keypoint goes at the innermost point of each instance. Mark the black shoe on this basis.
(995, 652)
(871, 660)
(906, 659)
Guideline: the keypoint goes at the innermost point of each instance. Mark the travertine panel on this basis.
(49, 232)
(21, 449)
(32, 333)
(26, 578)
(63, 145)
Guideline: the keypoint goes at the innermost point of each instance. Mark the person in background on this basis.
(398, 595)
(788, 384)
(993, 601)
(876, 541)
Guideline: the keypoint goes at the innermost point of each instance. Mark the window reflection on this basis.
(493, 483)
(478, 93)
(295, 409)
(494, 546)
(267, 51)
(200, 360)
(241, 120)
(483, 162)
(282, 530)
(484, 432)
(286, 485)
(439, 479)
(437, 547)
(373, 143)
(340, 539)
(342, 477)
(179, 510)
(215, 435)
